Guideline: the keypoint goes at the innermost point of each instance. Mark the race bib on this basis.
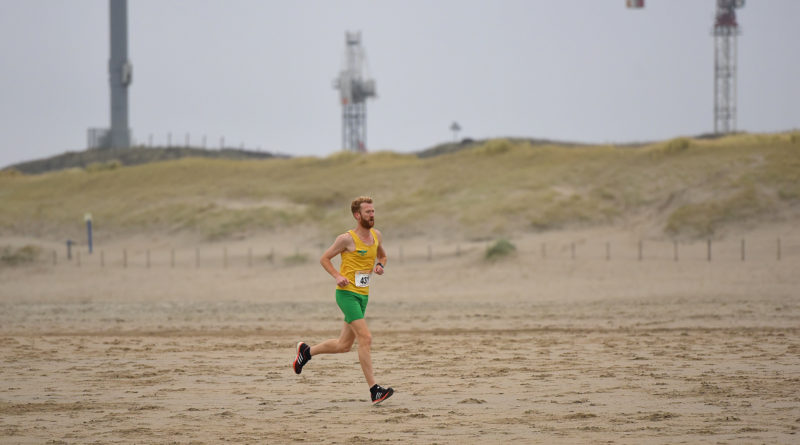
(362, 278)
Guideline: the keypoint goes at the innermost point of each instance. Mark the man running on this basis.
(359, 248)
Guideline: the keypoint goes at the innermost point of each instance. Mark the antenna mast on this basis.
(726, 29)
(354, 89)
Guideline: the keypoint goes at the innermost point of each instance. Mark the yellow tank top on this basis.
(357, 265)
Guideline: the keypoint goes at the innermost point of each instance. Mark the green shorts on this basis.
(353, 305)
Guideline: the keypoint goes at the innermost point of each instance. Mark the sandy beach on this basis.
(574, 339)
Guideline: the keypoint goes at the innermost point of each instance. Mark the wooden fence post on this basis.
(742, 249)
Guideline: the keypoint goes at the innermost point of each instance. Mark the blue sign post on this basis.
(88, 218)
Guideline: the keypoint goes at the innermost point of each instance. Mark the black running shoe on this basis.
(303, 356)
(379, 394)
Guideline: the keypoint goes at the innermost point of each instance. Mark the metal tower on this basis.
(354, 88)
(120, 74)
(726, 29)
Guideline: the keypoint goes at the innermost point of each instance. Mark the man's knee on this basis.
(344, 346)
(362, 334)
(365, 339)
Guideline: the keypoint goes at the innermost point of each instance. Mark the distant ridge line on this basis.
(132, 156)
(143, 155)
(467, 143)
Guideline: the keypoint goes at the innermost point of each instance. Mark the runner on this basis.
(359, 248)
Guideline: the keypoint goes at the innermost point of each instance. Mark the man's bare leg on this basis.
(364, 337)
(333, 346)
(336, 345)
(356, 330)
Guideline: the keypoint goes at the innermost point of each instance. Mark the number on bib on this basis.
(362, 279)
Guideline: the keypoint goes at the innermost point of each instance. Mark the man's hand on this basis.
(379, 269)
(342, 281)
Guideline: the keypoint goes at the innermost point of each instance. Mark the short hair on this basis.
(355, 206)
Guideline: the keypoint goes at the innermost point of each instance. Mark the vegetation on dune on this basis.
(500, 249)
(690, 187)
(100, 166)
(704, 219)
(10, 256)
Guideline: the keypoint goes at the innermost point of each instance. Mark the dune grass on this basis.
(502, 248)
(690, 187)
(11, 256)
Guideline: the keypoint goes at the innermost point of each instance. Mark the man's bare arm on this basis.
(339, 245)
(381, 254)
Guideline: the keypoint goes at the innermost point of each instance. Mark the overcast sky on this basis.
(259, 73)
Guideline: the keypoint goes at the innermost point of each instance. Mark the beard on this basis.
(367, 223)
